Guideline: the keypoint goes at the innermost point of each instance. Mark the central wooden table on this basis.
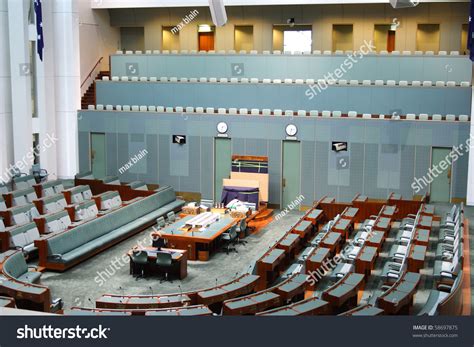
(199, 243)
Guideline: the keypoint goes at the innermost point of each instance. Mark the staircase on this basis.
(89, 97)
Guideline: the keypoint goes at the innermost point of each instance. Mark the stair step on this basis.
(267, 213)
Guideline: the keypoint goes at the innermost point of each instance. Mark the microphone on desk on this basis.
(123, 292)
(216, 282)
(151, 290)
(89, 299)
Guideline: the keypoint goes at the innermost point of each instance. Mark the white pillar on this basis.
(67, 84)
(45, 93)
(6, 141)
(20, 81)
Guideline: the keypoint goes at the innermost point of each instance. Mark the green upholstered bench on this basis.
(138, 185)
(23, 237)
(15, 266)
(69, 248)
(23, 182)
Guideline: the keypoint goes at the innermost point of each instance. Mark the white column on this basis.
(45, 94)
(20, 81)
(67, 84)
(6, 141)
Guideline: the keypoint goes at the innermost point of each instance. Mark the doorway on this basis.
(222, 164)
(296, 38)
(98, 155)
(342, 37)
(132, 38)
(291, 176)
(464, 35)
(384, 37)
(243, 38)
(440, 188)
(206, 37)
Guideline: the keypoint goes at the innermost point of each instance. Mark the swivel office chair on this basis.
(241, 228)
(229, 238)
(164, 260)
(139, 260)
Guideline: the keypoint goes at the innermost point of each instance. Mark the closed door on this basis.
(98, 156)
(291, 172)
(206, 41)
(391, 40)
(440, 190)
(222, 164)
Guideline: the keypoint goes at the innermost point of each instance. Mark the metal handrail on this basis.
(92, 71)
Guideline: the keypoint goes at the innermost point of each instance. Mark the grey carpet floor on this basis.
(82, 285)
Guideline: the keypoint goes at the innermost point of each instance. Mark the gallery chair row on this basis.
(276, 112)
(288, 81)
(279, 52)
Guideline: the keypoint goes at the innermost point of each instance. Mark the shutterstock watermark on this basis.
(347, 65)
(185, 21)
(47, 332)
(437, 169)
(291, 206)
(28, 158)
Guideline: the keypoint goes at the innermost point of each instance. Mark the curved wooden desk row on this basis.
(288, 290)
(309, 307)
(344, 291)
(243, 285)
(27, 295)
(368, 207)
(199, 310)
(399, 297)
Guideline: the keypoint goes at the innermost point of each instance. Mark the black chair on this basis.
(229, 238)
(139, 261)
(164, 261)
(159, 243)
(241, 228)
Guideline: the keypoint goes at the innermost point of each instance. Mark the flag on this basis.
(470, 37)
(39, 29)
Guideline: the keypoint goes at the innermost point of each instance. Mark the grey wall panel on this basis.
(308, 157)
(191, 181)
(112, 158)
(422, 165)
(151, 159)
(270, 66)
(274, 170)
(364, 99)
(207, 167)
(84, 143)
(369, 141)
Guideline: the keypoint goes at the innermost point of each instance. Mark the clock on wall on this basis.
(222, 127)
(291, 130)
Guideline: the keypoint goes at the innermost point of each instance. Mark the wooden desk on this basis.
(427, 210)
(421, 237)
(365, 260)
(314, 217)
(314, 263)
(251, 304)
(344, 291)
(383, 224)
(242, 286)
(268, 266)
(364, 310)
(350, 213)
(199, 244)
(400, 296)
(388, 211)
(141, 302)
(309, 307)
(376, 239)
(291, 289)
(425, 222)
(304, 229)
(344, 227)
(416, 258)
(332, 241)
(289, 243)
(180, 261)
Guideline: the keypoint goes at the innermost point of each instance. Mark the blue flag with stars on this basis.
(39, 28)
